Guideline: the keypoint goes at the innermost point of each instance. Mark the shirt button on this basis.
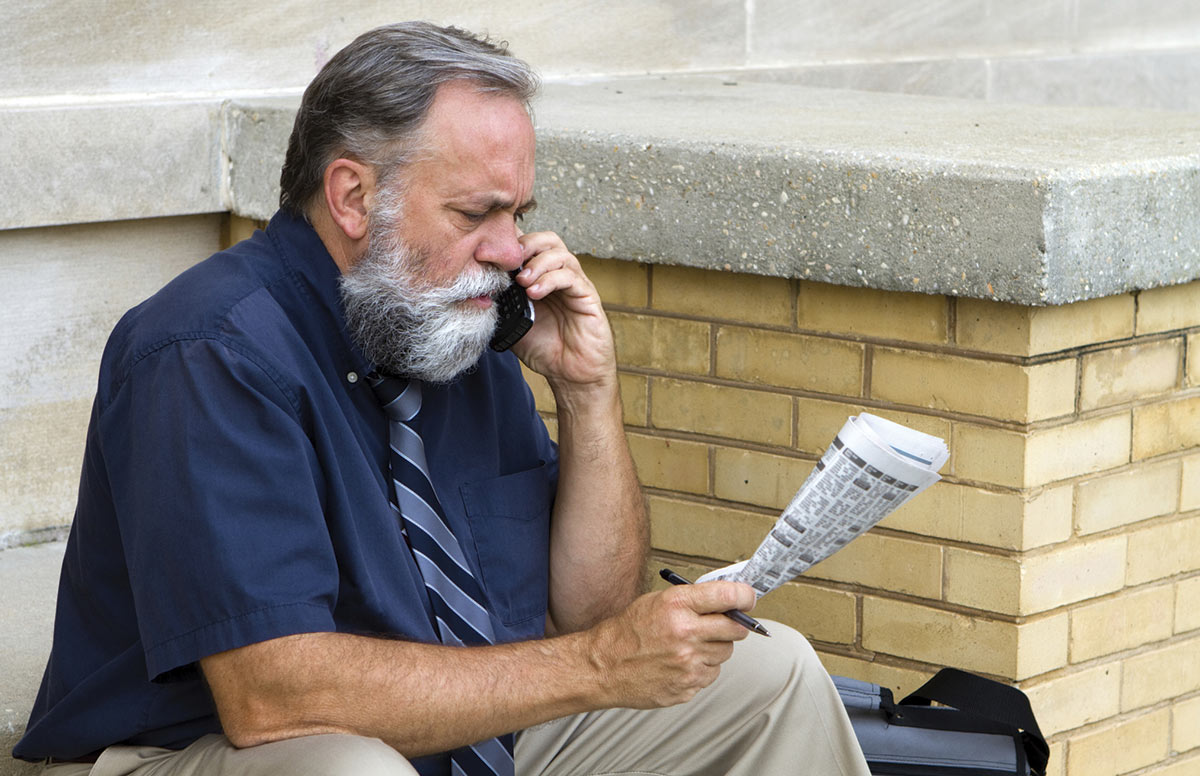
(352, 377)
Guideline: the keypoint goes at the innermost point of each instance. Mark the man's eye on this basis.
(520, 218)
(474, 217)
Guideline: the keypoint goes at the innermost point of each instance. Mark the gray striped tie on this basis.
(460, 615)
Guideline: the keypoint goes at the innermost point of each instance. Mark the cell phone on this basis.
(515, 315)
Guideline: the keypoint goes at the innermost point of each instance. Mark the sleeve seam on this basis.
(235, 618)
(249, 356)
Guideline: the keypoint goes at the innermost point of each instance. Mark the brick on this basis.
(634, 398)
(790, 360)
(1167, 672)
(937, 512)
(1013, 459)
(719, 410)
(1168, 308)
(1057, 765)
(820, 614)
(618, 282)
(992, 389)
(1015, 521)
(989, 455)
(901, 681)
(1042, 645)
(758, 478)
(1128, 497)
(1187, 605)
(543, 397)
(819, 420)
(1189, 494)
(886, 563)
(1193, 359)
(982, 581)
(997, 327)
(238, 228)
(869, 312)
(1130, 373)
(1072, 573)
(916, 632)
(670, 464)
(1177, 766)
(666, 344)
(1185, 725)
(1120, 748)
(1075, 449)
(1123, 622)
(1166, 427)
(1163, 550)
(726, 295)
(1051, 388)
(1034, 584)
(705, 530)
(1076, 699)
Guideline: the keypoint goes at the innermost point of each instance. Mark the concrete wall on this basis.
(141, 47)
(61, 292)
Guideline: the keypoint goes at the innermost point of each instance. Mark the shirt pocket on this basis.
(510, 526)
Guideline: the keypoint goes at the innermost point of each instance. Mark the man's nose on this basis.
(500, 245)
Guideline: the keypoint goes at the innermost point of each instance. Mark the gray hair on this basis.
(369, 101)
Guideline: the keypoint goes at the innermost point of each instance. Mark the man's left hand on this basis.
(570, 342)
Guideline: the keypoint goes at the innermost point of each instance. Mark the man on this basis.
(255, 583)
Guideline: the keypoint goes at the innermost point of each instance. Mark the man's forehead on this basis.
(477, 150)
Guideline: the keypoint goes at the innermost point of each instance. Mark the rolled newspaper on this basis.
(872, 467)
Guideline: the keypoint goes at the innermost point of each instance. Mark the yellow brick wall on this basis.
(1060, 552)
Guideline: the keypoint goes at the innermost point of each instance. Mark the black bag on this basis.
(985, 728)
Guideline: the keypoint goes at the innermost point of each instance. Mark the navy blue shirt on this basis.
(234, 490)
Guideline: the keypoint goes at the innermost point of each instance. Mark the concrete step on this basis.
(29, 585)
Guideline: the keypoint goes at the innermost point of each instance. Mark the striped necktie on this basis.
(456, 598)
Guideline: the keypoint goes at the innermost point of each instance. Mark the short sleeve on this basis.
(219, 496)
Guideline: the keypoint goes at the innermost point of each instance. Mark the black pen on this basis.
(738, 616)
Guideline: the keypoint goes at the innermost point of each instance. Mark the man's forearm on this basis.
(423, 698)
(419, 698)
(599, 535)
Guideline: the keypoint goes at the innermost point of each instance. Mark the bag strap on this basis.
(988, 699)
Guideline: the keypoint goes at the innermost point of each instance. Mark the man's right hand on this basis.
(666, 646)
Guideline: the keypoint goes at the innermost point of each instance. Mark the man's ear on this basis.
(349, 191)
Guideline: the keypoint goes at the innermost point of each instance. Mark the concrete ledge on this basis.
(109, 161)
(1032, 205)
(29, 581)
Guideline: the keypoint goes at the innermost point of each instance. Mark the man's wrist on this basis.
(586, 398)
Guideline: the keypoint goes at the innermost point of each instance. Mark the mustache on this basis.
(486, 282)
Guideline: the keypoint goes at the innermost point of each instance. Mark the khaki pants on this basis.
(772, 712)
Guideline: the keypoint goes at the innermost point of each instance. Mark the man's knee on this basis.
(771, 665)
(333, 755)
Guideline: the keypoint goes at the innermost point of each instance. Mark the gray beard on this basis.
(407, 327)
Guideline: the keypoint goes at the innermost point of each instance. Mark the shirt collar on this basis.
(319, 276)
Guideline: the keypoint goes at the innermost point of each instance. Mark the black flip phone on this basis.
(515, 315)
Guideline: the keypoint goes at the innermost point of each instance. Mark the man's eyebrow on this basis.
(503, 203)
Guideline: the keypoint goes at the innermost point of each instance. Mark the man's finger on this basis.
(715, 597)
